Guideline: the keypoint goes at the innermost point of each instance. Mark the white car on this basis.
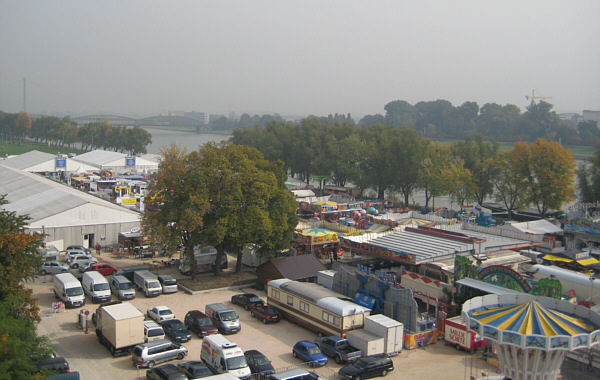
(160, 313)
(82, 261)
(69, 257)
(75, 252)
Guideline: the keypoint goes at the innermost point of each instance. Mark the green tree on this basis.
(588, 178)
(22, 125)
(478, 156)
(550, 172)
(19, 313)
(458, 183)
(438, 157)
(408, 154)
(509, 181)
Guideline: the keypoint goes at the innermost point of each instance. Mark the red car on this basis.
(104, 269)
(267, 314)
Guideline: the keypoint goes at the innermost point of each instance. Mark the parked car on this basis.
(53, 267)
(160, 313)
(79, 248)
(75, 252)
(82, 260)
(309, 352)
(148, 354)
(247, 300)
(199, 323)
(295, 374)
(104, 269)
(153, 331)
(258, 362)
(176, 331)
(195, 369)
(338, 348)
(166, 372)
(267, 314)
(57, 365)
(368, 366)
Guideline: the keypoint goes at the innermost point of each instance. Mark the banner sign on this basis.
(61, 162)
(130, 161)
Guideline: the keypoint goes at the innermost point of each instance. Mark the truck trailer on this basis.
(119, 326)
(457, 334)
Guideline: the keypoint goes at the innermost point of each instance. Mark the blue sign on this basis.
(130, 161)
(61, 162)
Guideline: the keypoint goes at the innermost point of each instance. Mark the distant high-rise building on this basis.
(591, 116)
(202, 116)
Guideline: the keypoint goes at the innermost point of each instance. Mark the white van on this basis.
(147, 283)
(68, 289)
(222, 355)
(122, 287)
(95, 286)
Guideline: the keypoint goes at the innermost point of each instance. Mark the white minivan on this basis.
(68, 289)
(95, 286)
(222, 355)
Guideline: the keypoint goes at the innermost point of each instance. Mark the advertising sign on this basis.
(61, 162)
(130, 161)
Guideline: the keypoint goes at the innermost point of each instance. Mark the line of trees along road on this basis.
(387, 158)
(63, 131)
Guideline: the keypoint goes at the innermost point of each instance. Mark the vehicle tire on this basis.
(264, 321)
(252, 314)
(457, 346)
(113, 351)
(75, 266)
(199, 334)
(384, 373)
(247, 307)
(114, 272)
(44, 272)
(358, 377)
(320, 334)
(180, 356)
(56, 295)
(338, 359)
(151, 364)
(294, 353)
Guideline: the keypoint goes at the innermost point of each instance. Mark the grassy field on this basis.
(9, 148)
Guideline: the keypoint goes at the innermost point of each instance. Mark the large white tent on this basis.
(39, 162)
(64, 214)
(117, 162)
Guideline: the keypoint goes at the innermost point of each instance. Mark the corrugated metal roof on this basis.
(486, 287)
(298, 267)
(40, 198)
(27, 160)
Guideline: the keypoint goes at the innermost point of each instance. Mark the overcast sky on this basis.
(296, 58)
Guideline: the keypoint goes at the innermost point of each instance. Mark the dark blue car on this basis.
(309, 352)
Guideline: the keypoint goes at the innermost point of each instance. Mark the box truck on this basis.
(147, 283)
(119, 326)
(391, 330)
(457, 334)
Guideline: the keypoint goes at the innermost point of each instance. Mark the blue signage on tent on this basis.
(61, 162)
(130, 161)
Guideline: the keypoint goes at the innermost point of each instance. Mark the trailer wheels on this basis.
(151, 364)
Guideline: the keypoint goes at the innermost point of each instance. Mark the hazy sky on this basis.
(294, 57)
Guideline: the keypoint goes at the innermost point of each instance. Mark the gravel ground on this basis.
(93, 361)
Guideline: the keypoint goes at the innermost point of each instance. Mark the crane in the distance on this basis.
(533, 97)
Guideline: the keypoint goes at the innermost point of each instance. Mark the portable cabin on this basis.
(315, 307)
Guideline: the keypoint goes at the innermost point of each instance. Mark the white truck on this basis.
(119, 326)
(68, 289)
(367, 342)
(222, 355)
(391, 330)
(147, 282)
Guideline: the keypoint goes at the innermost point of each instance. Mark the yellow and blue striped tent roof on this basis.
(531, 318)
(414, 221)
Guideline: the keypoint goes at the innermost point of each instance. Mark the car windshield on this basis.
(206, 322)
(165, 312)
(125, 286)
(314, 350)
(236, 363)
(360, 364)
(271, 312)
(261, 360)
(201, 372)
(254, 299)
(177, 326)
(103, 286)
(170, 282)
(71, 292)
(229, 316)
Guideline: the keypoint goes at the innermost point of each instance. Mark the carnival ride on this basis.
(531, 335)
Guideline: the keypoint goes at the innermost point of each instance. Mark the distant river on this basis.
(188, 140)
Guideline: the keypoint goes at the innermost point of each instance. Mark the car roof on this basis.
(151, 324)
(306, 343)
(373, 358)
(197, 313)
(160, 308)
(171, 322)
(253, 353)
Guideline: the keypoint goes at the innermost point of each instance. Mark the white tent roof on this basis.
(105, 159)
(52, 204)
(536, 227)
(35, 161)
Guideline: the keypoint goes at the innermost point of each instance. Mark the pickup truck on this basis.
(338, 348)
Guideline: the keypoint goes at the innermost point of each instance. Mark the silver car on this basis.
(53, 267)
(151, 353)
(82, 261)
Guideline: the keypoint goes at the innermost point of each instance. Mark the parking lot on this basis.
(94, 361)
